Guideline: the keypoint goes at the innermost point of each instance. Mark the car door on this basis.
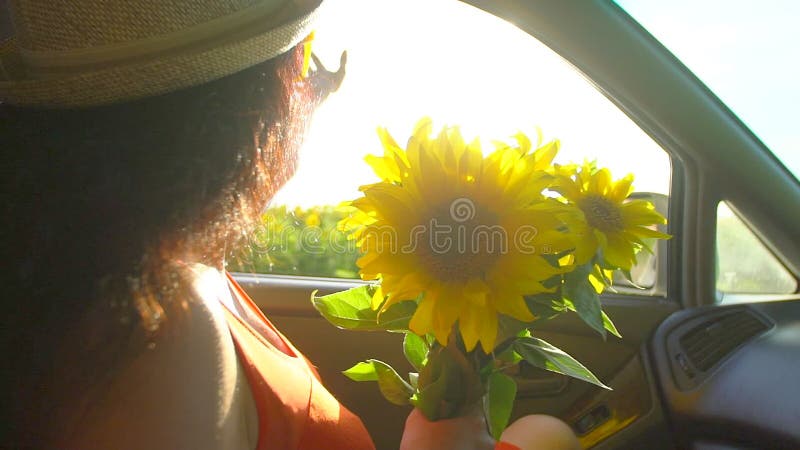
(682, 135)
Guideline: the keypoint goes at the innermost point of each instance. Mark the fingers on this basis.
(541, 432)
(461, 433)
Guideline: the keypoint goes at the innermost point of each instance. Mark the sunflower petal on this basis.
(622, 189)
(618, 252)
(470, 326)
(446, 311)
(421, 322)
(545, 154)
(387, 140)
(514, 306)
(488, 332)
(377, 298)
(601, 182)
(385, 169)
(647, 232)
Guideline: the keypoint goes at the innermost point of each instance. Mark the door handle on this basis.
(535, 382)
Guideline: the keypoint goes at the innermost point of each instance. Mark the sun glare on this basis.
(458, 65)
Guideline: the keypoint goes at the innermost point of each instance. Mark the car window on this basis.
(460, 66)
(744, 52)
(744, 264)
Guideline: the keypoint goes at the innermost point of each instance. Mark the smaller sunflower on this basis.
(605, 219)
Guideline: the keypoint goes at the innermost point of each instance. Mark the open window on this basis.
(483, 74)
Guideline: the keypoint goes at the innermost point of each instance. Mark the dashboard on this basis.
(729, 375)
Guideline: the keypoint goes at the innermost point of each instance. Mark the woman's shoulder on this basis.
(186, 390)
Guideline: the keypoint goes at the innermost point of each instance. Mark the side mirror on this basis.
(649, 275)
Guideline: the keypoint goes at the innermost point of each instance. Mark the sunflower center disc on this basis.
(460, 242)
(601, 213)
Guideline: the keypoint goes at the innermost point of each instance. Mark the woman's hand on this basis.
(461, 433)
(534, 432)
(540, 432)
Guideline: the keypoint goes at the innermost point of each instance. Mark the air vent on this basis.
(706, 344)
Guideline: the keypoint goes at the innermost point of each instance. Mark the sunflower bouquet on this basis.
(469, 253)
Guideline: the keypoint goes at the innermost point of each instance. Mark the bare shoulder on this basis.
(185, 391)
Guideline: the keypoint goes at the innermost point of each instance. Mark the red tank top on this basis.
(295, 411)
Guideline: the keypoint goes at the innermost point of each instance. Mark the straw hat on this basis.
(72, 53)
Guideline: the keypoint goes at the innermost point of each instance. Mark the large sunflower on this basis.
(462, 233)
(607, 220)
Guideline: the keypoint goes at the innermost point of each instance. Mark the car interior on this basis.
(695, 368)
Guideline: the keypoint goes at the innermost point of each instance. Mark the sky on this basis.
(460, 66)
(746, 52)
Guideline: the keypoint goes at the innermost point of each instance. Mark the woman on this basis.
(142, 140)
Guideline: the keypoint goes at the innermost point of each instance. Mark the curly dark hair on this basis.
(102, 204)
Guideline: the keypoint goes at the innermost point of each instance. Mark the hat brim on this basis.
(153, 76)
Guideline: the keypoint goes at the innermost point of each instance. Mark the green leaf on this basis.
(609, 326)
(498, 402)
(441, 386)
(432, 385)
(553, 258)
(509, 356)
(552, 282)
(600, 274)
(541, 354)
(430, 339)
(392, 386)
(352, 310)
(363, 371)
(580, 292)
(396, 318)
(509, 327)
(432, 401)
(545, 305)
(416, 350)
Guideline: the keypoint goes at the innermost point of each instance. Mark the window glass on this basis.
(744, 264)
(458, 65)
(744, 51)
